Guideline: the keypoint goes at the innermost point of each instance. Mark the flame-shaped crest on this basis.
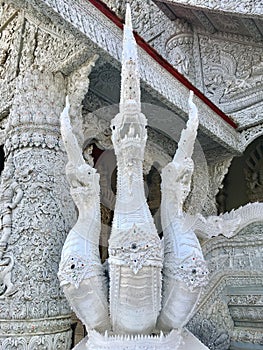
(130, 78)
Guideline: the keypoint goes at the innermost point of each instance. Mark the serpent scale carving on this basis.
(135, 250)
(80, 272)
(185, 270)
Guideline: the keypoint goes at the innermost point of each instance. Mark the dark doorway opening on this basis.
(2, 158)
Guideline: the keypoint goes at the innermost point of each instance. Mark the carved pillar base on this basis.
(32, 334)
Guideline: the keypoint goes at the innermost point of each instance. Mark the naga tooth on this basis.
(106, 334)
(161, 335)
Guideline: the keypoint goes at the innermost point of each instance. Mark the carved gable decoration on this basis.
(233, 70)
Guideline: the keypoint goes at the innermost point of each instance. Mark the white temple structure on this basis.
(122, 198)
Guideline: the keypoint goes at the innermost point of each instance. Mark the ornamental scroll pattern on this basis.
(40, 220)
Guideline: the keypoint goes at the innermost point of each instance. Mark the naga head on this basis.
(83, 176)
(177, 175)
(129, 133)
(176, 179)
(129, 126)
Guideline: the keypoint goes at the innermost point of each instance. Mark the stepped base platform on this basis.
(175, 340)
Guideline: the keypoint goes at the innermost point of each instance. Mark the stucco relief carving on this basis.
(248, 336)
(232, 71)
(60, 341)
(47, 45)
(250, 135)
(11, 195)
(237, 253)
(217, 172)
(234, 263)
(11, 20)
(179, 49)
(9, 25)
(30, 39)
(149, 21)
(106, 35)
(254, 173)
(249, 117)
(251, 7)
(77, 88)
(2, 130)
(210, 334)
(42, 212)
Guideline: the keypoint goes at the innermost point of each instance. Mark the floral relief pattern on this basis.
(41, 219)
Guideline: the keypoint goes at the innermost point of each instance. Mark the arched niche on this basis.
(244, 181)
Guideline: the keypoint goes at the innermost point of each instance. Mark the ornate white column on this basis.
(36, 214)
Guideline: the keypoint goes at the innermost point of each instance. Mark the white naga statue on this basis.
(154, 285)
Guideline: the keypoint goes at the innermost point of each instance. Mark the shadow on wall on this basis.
(244, 181)
(2, 158)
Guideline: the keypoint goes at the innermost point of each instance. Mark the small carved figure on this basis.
(11, 195)
(6, 267)
(181, 62)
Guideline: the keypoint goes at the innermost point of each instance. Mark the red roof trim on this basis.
(158, 58)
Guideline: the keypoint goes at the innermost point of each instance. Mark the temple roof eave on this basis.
(105, 36)
(253, 9)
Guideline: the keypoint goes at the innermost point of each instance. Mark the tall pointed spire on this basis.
(128, 20)
(130, 79)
